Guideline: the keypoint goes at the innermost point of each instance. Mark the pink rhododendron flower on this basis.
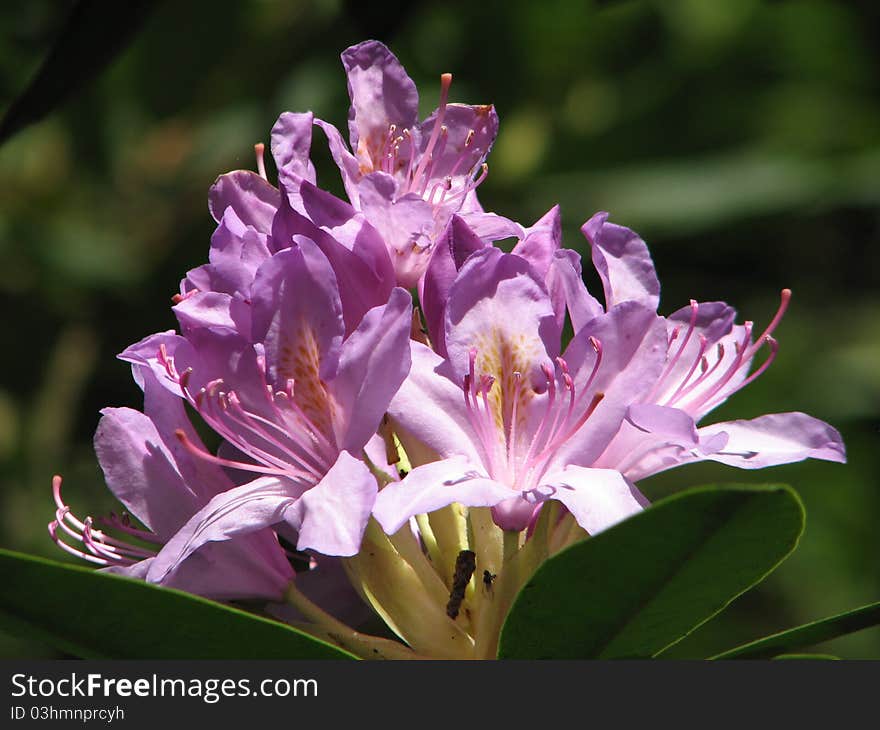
(404, 178)
(521, 425)
(408, 177)
(708, 359)
(295, 400)
(163, 485)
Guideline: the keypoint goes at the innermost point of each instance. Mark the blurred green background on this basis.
(741, 138)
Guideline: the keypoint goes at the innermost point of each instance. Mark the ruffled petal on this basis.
(332, 515)
(432, 486)
(239, 511)
(541, 242)
(430, 410)
(345, 161)
(633, 347)
(499, 308)
(141, 471)
(447, 258)
(623, 262)
(291, 144)
(406, 224)
(470, 133)
(297, 315)
(597, 498)
(568, 292)
(253, 199)
(776, 438)
(374, 361)
(381, 94)
(353, 247)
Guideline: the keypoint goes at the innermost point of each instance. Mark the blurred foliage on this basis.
(741, 138)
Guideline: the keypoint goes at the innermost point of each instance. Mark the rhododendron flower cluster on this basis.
(420, 458)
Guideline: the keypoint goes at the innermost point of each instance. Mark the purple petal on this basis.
(568, 292)
(541, 242)
(406, 224)
(491, 227)
(297, 314)
(146, 352)
(432, 486)
(373, 363)
(227, 571)
(596, 498)
(213, 311)
(699, 384)
(671, 424)
(252, 198)
(237, 250)
(141, 471)
(345, 161)
(332, 515)
(353, 247)
(238, 511)
(498, 307)
(623, 262)
(167, 413)
(633, 343)
(381, 95)
(290, 145)
(777, 438)
(470, 133)
(429, 409)
(448, 256)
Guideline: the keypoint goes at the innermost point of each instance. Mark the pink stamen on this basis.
(699, 360)
(445, 83)
(705, 371)
(774, 349)
(784, 299)
(412, 153)
(102, 549)
(53, 533)
(444, 186)
(511, 437)
(225, 414)
(471, 185)
(436, 155)
(231, 464)
(259, 149)
(113, 521)
(559, 440)
(673, 361)
(733, 368)
(551, 402)
(745, 352)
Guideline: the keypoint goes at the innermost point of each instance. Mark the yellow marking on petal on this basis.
(501, 355)
(300, 361)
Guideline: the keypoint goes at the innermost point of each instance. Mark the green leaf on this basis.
(99, 616)
(639, 587)
(808, 634)
(94, 34)
(822, 657)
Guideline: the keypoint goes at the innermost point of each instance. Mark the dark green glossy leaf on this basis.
(808, 634)
(821, 657)
(94, 34)
(100, 616)
(641, 586)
